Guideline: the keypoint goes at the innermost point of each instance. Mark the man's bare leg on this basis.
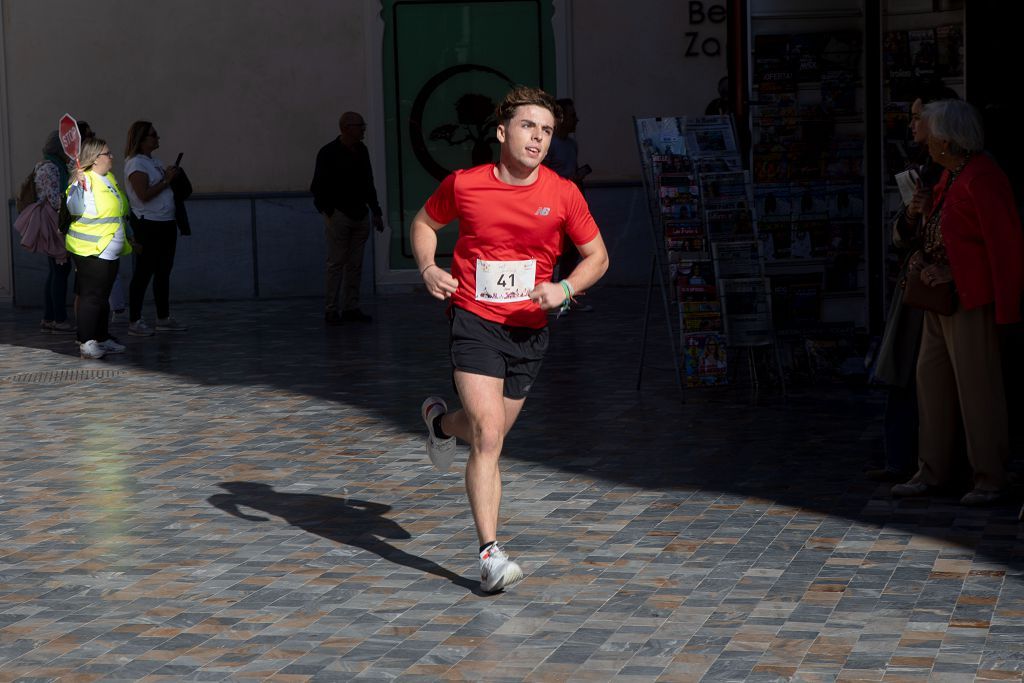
(484, 420)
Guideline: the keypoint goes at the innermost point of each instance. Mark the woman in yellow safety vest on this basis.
(96, 239)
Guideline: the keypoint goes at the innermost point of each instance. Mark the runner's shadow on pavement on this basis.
(351, 522)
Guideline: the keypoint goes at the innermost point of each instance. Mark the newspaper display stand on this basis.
(707, 256)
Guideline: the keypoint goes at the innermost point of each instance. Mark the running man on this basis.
(512, 218)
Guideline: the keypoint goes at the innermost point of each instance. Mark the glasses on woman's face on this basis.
(152, 134)
(106, 154)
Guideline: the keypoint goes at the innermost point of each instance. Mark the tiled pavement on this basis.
(250, 500)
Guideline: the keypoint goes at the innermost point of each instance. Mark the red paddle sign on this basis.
(70, 138)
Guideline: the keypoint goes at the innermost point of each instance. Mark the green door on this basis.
(447, 64)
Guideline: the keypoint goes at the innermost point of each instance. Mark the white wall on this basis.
(629, 58)
(248, 89)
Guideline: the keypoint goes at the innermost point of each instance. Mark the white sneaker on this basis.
(91, 350)
(441, 451)
(169, 324)
(112, 346)
(497, 572)
(139, 328)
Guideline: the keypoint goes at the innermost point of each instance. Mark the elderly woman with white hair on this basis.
(973, 243)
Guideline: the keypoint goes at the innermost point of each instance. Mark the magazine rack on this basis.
(706, 258)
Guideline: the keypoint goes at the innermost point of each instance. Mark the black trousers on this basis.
(93, 282)
(153, 261)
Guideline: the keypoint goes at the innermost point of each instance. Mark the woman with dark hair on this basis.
(897, 355)
(155, 228)
(97, 238)
(971, 240)
(51, 181)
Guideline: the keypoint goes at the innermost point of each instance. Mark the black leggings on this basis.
(93, 281)
(153, 261)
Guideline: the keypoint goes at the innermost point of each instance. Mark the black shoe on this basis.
(332, 318)
(355, 315)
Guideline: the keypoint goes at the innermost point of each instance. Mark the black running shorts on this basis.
(483, 347)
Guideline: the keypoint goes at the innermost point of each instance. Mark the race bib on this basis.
(504, 282)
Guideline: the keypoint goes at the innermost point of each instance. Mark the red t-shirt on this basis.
(499, 222)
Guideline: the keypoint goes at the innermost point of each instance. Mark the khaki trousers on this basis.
(960, 380)
(346, 240)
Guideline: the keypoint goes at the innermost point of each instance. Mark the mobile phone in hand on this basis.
(584, 170)
(177, 162)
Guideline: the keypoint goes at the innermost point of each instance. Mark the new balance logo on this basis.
(543, 211)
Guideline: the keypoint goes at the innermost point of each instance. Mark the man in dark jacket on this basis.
(343, 192)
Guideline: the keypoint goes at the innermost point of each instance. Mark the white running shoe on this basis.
(91, 350)
(139, 328)
(111, 345)
(497, 572)
(441, 451)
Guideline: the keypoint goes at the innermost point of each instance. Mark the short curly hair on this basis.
(524, 96)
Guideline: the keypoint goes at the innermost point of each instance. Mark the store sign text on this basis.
(697, 46)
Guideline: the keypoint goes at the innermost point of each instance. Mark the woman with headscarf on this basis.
(51, 181)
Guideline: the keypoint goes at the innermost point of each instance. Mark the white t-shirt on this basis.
(160, 207)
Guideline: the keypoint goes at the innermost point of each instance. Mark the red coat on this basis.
(983, 238)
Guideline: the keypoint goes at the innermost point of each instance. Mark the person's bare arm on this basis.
(423, 233)
(593, 264)
(146, 192)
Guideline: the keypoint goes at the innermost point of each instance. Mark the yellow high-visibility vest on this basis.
(90, 234)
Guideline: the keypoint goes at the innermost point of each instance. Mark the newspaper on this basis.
(747, 311)
(907, 182)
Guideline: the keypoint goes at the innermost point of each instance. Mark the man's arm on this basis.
(321, 183)
(588, 271)
(423, 233)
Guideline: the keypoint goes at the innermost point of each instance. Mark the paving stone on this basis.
(251, 500)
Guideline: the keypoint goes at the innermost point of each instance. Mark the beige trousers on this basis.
(346, 240)
(960, 381)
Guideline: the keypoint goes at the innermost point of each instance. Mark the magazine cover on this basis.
(724, 225)
(845, 158)
(700, 321)
(847, 237)
(661, 135)
(772, 202)
(770, 167)
(775, 238)
(726, 190)
(686, 241)
(845, 200)
(726, 164)
(810, 200)
(949, 50)
(710, 136)
(921, 44)
(896, 56)
(746, 309)
(670, 163)
(810, 238)
(695, 281)
(678, 196)
(838, 91)
(737, 259)
(704, 359)
(842, 50)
